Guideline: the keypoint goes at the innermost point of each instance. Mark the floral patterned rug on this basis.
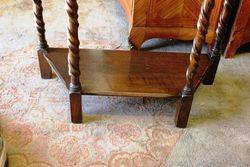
(117, 131)
(35, 115)
(35, 122)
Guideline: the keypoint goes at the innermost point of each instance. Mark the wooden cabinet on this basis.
(240, 33)
(166, 19)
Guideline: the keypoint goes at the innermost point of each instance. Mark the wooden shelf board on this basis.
(127, 73)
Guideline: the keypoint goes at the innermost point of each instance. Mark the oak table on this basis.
(131, 73)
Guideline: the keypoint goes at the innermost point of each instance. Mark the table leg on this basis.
(216, 50)
(46, 72)
(73, 61)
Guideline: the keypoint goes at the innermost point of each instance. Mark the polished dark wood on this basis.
(45, 69)
(73, 61)
(240, 33)
(132, 73)
(183, 108)
(76, 106)
(128, 73)
(185, 101)
(216, 50)
(40, 25)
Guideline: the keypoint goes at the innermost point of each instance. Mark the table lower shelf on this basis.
(127, 73)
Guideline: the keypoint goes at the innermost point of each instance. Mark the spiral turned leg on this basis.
(73, 61)
(185, 102)
(46, 72)
(216, 50)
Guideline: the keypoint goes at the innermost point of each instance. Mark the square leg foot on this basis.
(76, 107)
(183, 110)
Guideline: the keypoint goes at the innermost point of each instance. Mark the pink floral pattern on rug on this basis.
(123, 135)
(69, 151)
(35, 122)
(35, 115)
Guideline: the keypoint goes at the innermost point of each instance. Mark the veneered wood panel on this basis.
(141, 9)
(167, 19)
(178, 13)
(240, 33)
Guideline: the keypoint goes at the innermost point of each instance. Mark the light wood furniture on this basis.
(240, 33)
(131, 73)
(174, 19)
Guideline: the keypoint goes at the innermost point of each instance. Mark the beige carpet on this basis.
(34, 113)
